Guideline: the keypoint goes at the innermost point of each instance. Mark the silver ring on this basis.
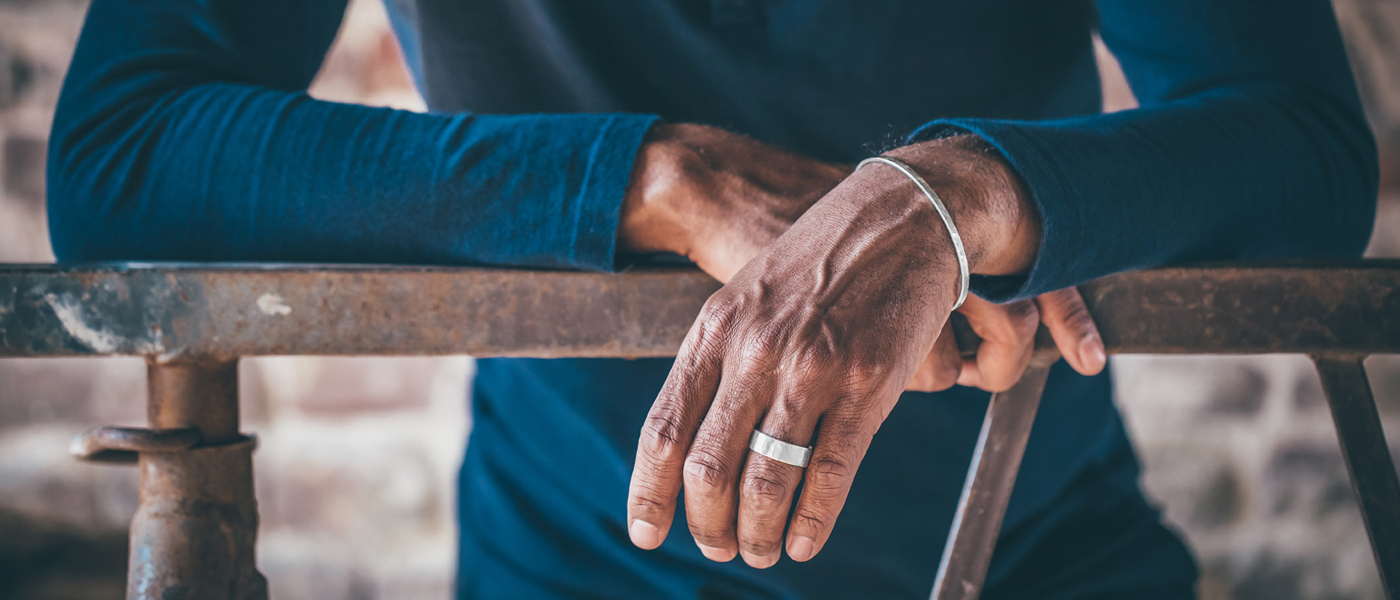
(776, 449)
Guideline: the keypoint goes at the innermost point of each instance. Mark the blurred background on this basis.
(357, 458)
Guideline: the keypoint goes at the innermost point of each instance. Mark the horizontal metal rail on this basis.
(227, 312)
(194, 534)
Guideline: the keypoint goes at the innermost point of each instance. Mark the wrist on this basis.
(651, 219)
(999, 225)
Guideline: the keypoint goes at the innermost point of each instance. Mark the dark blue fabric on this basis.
(540, 495)
(184, 132)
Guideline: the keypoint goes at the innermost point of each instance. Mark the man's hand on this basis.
(716, 197)
(814, 340)
(1008, 339)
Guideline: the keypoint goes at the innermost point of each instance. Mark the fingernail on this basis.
(716, 554)
(1091, 352)
(758, 562)
(644, 535)
(801, 548)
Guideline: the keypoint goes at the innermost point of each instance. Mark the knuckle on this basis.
(1067, 306)
(812, 519)
(721, 306)
(833, 468)
(788, 406)
(768, 337)
(842, 429)
(648, 500)
(864, 375)
(1077, 322)
(761, 347)
(1027, 318)
(761, 547)
(1022, 317)
(1078, 318)
(827, 476)
(753, 360)
(717, 316)
(860, 377)
(818, 351)
(708, 534)
(706, 474)
(663, 438)
(764, 489)
(704, 341)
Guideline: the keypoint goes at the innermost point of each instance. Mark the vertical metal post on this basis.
(990, 480)
(1367, 455)
(194, 533)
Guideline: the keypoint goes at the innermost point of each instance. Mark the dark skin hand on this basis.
(716, 197)
(838, 291)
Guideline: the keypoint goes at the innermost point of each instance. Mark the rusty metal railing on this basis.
(193, 535)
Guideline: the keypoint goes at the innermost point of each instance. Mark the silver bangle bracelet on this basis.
(966, 278)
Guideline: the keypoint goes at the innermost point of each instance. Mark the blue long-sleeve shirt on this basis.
(184, 132)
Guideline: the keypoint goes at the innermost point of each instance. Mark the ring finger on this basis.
(767, 486)
(715, 460)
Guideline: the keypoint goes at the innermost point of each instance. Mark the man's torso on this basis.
(544, 485)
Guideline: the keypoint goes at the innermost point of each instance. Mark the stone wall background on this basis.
(356, 468)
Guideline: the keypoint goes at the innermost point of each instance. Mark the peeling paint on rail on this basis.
(272, 304)
(69, 312)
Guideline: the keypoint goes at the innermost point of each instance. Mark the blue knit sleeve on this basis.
(1250, 142)
(184, 132)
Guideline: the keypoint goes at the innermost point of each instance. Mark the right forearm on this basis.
(224, 172)
(177, 138)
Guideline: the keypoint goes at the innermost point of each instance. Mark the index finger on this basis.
(667, 434)
(1073, 329)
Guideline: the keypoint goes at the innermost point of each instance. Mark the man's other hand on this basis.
(1008, 339)
(716, 197)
